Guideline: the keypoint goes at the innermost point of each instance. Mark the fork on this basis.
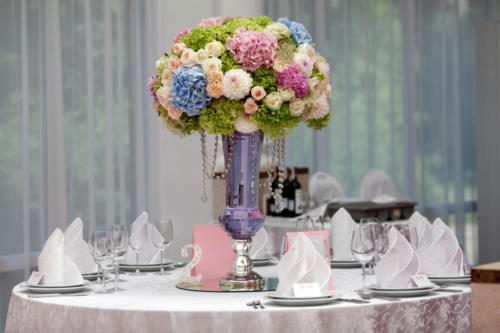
(257, 302)
(367, 296)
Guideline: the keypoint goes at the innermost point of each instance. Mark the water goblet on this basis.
(120, 239)
(103, 252)
(363, 247)
(138, 237)
(163, 238)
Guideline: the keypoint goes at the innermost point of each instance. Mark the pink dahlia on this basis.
(293, 78)
(152, 91)
(210, 21)
(253, 49)
(180, 34)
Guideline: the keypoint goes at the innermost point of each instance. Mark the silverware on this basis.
(446, 290)
(57, 295)
(353, 300)
(367, 296)
(180, 264)
(257, 302)
(251, 303)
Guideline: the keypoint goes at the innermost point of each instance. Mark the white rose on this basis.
(297, 107)
(319, 107)
(214, 48)
(324, 68)
(201, 56)
(328, 91)
(244, 125)
(273, 101)
(188, 57)
(279, 65)
(286, 94)
(314, 86)
(308, 50)
(160, 64)
(211, 65)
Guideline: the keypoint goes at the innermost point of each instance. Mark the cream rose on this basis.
(286, 94)
(273, 101)
(166, 77)
(308, 50)
(211, 65)
(188, 57)
(314, 86)
(179, 48)
(244, 125)
(258, 93)
(279, 65)
(163, 95)
(215, 76)
(214, 48)
(297, 107)
(201, 56)
(173, 112)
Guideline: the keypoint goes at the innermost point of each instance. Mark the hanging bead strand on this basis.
(203, 139)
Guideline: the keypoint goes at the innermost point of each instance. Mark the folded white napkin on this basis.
(149, 253)
(342, 227)
(399, 264)
(57, 268)
(302, 264)
(424, 230)
(444, 256)
(77, 249)
(259, 245)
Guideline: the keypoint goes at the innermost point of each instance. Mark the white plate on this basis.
(332, 294)
(376, 286)
(302, 301)
(145, 267)
(52, 290)
(410, 292)
(84, 283)
(90, 276)
(344, 264)
(450, 279)
(262, 262)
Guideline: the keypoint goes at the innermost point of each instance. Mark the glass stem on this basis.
(161, 261)
(103, 279)
(137, 261)
(363, 274)
(116, 275)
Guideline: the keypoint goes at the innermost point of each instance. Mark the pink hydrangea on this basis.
(152, 91)
(180, 34)
(253, 49)
(293, 78)
(210, 21)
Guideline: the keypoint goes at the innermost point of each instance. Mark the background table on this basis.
(153, 304)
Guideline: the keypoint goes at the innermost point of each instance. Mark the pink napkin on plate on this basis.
(399, 264)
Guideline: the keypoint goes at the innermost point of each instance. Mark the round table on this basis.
(152, 303)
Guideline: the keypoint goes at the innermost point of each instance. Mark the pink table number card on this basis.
(217, 253)
(320, 240)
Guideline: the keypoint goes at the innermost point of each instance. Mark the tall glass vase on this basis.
(242, 218)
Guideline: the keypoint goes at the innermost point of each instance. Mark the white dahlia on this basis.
(236, 84)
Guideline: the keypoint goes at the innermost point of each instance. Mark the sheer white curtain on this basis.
(403, 78)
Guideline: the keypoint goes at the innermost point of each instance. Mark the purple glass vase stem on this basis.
(242, 218)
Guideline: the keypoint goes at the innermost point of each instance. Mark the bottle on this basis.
(288, 196)
(297, 189)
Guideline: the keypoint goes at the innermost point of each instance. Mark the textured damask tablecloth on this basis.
(153, 304)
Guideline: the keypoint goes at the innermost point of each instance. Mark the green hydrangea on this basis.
(230, 27)
(275, 123)
(318, 124)
(286, 49)
(264, 77)
(263, 21)
(318, 74)
(189, 124)
(219, 116)
(228, 61)
(198, 37)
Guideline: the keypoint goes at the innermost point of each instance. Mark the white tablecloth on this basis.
(153, 304)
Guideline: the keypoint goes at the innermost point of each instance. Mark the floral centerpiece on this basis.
(243, 79)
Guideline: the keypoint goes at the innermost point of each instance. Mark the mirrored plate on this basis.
(410, 292)
(344, 264)
(262, 262)
(302, 301)
(51, 290)
(145, 267)
(335, 294)
(450, 279)
(84, 283)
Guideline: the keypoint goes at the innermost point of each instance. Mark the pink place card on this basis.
(320, 240)
(216, 251)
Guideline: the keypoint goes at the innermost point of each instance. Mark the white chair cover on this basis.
(376, 183)
(323, 188)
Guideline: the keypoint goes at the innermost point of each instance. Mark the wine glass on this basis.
(373, 224)
(363, 247)
(120, 239)
(382, 241)
(138, 237)
(284, 244)
(163, 238)
(103, 252)
(409, 232)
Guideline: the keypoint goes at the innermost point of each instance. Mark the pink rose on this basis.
(250, 106)
(173, 112)
(179, 48)
(173, 62)
(258, 93)
(214, 89)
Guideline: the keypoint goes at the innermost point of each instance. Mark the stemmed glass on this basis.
(120, 239)
(373, 224)
(363, 246)
(409, 232)
(163, 238)
(382, 242)
(103, 251)
(137, 239)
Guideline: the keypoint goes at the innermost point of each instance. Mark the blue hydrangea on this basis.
(299, 33)
(188, 90)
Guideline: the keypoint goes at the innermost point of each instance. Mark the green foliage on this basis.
(318, 74)
(219, 116)
(198, 37)
(265, 77)
(189, 123)
(228, 61)
(275, 123)
(263, 21)
(318, 124)
(286, 48)
(230, 26)
(157, 84)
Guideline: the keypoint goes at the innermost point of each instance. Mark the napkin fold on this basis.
(149, 253)
(444, 256)
(399, 264)
(77, 249)
(342, 227)
(57, 268)
(302, 264)
(259, 245)
(424, 231)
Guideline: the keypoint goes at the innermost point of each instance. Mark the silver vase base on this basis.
(252, 282)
